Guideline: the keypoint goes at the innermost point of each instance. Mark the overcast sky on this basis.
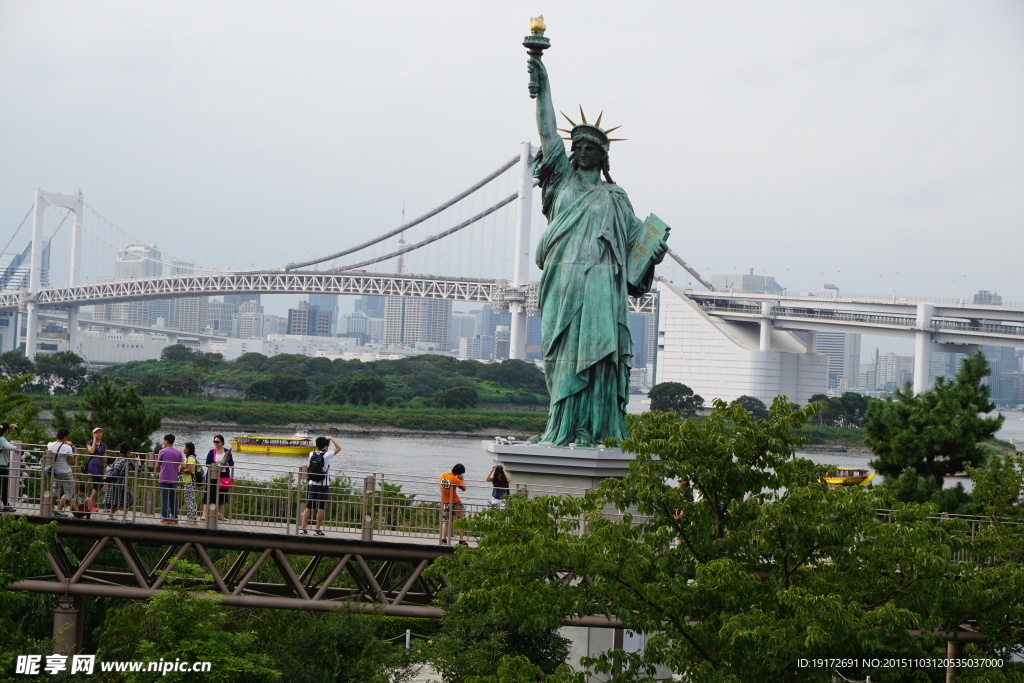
(871, 144)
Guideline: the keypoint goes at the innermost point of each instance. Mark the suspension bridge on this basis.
(476, 248)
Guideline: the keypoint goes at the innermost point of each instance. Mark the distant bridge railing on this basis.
(498, 293)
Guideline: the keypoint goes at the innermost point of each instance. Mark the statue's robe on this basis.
(587, 344)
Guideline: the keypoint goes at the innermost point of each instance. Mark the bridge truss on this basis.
(247, 569)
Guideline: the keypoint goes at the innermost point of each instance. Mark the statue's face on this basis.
(588, 154)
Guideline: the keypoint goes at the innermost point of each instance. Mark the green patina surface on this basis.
(584, 291)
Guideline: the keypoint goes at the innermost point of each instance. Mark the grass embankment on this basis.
(238, 412)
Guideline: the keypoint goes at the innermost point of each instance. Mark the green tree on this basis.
(175, 623)
(360, 390)
(667, 397)
(734, 587)
(848, 410)
(14, 364)
(278, 389)
(457, 398)
(119, 410)
(61, 373)
(752, 405)
(177, 352)
(18, 408)
(24, 554)
(474, 644)
(937, 432)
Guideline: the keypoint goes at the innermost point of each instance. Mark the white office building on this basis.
(723, 360)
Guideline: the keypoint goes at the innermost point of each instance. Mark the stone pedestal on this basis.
(554, 470)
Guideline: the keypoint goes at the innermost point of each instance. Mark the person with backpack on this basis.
(317, 475)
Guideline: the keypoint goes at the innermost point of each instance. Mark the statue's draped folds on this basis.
(587, 344)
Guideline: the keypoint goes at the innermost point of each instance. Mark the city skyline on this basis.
(819, 142)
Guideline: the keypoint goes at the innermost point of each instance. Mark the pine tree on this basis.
(120, 411)
(937, 432)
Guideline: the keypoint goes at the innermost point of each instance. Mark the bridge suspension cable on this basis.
(690, 269)
(182, 260)
(20, 225)
(433, 238)
(430, 214)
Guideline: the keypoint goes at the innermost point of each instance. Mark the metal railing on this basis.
(261, 498)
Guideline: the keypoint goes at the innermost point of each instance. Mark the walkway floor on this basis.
(346, 533)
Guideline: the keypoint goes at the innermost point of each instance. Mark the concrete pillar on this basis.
(74, 276)
(766, 326)
(812, 341)
(65, 626)
(922, 346)
(35, 275)
(521, 267)
(954, 651)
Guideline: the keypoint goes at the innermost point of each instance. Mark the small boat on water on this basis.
(297, 444)
(850, 477)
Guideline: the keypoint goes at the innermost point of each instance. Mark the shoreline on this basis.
(344, 429)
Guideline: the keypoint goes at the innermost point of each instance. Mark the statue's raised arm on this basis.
(550, 141)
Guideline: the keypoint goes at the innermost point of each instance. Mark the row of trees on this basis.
(735, 587)
(918, 439)
(297, 378)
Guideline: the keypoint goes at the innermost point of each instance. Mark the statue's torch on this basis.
(535, 44)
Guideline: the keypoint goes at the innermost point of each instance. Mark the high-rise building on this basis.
(461, 325)
(250, 320)
(192, 313)
(133, 261)
(843, 352)
(309, 320)
(410, 321)
(746, 282)
(372, 306)
(987, 298)
(889, 373)
(237, 300)
(328, 304)
(222, 317)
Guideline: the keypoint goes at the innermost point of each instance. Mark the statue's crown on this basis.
(590, 131)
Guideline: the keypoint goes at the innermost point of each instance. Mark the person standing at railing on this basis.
(318, 472)
(63, 463)
(96, 464)
(118, 495)
(219, 488)
(500, 480)
(6, 448)
(451, 505)
(169, 461)
(188, 481)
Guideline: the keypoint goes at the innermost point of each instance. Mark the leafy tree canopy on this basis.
(937, 432)
(848, 410)
(61, 373)
(177, 352)
(457, 397)
(734, 587)
(119, 410)
(675, 397)
(752, 405)
(278, 389)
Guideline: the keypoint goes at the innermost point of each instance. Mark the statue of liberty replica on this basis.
(594, 253)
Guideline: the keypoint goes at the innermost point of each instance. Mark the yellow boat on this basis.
(850, 477)
(298, 444)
